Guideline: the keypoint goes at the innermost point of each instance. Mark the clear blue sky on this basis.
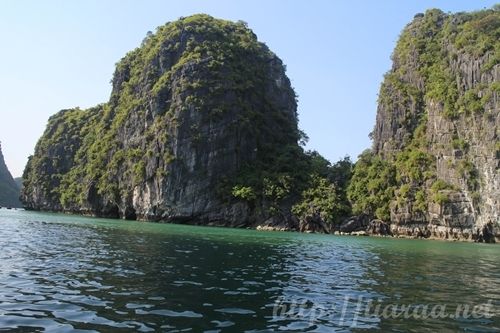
(61, 54)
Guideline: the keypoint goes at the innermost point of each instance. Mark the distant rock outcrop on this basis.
(19, 182)
(9, 191)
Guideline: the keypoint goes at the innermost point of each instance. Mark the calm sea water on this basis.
(63, 273)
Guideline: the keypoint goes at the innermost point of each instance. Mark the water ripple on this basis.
(69, 274)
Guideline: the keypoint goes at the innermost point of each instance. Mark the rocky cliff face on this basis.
(194, 113)
(9, 191)
(440, 103)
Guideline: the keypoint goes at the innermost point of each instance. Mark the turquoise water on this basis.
(62, 273)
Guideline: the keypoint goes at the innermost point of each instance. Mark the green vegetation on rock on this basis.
(372, 186)
(325, 192)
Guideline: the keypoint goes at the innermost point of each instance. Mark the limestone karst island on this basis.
(201, 134)
(201, 128)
